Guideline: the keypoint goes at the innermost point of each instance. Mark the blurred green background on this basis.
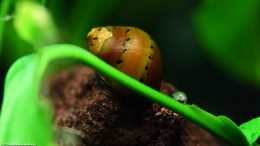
(210, 48)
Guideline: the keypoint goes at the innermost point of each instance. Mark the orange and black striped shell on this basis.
(130, 50)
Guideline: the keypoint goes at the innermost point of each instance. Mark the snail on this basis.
(180, 96)
(130, 50)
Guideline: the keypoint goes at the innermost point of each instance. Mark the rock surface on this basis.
(85, 114)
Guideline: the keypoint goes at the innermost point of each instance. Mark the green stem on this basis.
(220, 126)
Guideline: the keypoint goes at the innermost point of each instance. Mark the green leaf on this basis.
(230, 33)
(26, 118)
(220, 126)
(251, 130)
(34, 24)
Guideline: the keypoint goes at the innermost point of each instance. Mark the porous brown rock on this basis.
(85, 114)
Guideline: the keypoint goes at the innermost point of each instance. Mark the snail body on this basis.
(129, 50)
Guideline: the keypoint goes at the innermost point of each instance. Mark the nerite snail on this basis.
(131, 51)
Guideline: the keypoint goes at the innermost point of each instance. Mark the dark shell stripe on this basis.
(130, 50)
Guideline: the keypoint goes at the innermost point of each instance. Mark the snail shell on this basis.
(130, 50)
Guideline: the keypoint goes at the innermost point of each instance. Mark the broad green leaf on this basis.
(221, 126)
(26, 118)
(251, 130)
(230, 33)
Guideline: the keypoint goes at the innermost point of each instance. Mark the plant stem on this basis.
(220, 126)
